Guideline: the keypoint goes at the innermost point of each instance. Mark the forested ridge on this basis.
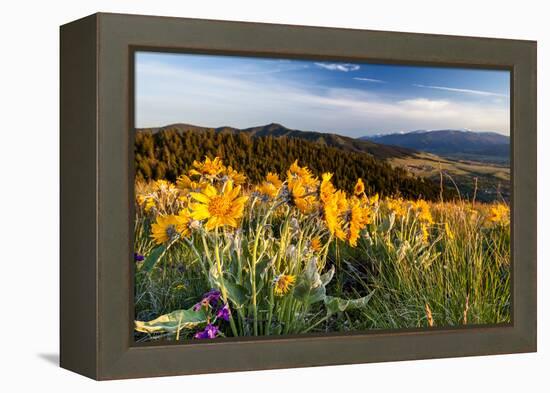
(168, 153)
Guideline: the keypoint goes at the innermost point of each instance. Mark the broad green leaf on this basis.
(236, 293)
(154, 256)
(302, 290)
(336, 304)
(310, 272)
(309, 286)
(263, 267)
(317, 294)
(172, 322)
(327, 277)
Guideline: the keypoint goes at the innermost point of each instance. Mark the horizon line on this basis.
(330, 132)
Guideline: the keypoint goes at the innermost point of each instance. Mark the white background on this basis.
(29, 196)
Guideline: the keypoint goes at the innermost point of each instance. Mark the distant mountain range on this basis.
(457, 144)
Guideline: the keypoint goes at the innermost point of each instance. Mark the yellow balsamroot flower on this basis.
(146, 201)
(208, 167)
(273, 178)
(184, 200)
(271, 186)
(163, 186)
(330, 214)
(267, 189)
(397, 206)
(341, 201)
(235, 176)
(300, 196)
(425, 233)
(315, 244)
(296, 172)
(423, 210)
(359, 187)
(374, 199)
(354, 232)
(302, 185)
(334, 206)
(184, 183)
(360, 216)
(326, 190)
(343, 207)
(220, 209)
(499, 214)
(283, 283)
(169, 227)
(335, 210)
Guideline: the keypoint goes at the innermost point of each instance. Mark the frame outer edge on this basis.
(527, 189)
(118, 358)
(78, 197)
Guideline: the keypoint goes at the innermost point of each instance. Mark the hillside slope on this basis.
(277, 130)
(492, 178)
(170, 152)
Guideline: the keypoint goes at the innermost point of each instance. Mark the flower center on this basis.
(219, 206)
(171, 232)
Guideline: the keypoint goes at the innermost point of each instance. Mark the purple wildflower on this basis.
(210, 331)
(210, 298)
(138, 257)
(224, 312)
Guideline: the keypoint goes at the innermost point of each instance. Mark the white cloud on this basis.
(424, 104)
(467, 91)
(369, 80)
(344, 67)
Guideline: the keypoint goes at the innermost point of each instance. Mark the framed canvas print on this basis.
(240, 196)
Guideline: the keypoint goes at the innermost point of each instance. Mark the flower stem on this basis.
(222, 284)
(259, 229)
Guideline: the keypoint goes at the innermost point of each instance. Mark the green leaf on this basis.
(263, 267)
(336, 304)
(309, 286)
(327, 277)
(236, 293)
(317, 294)
(154, 256)
(172, 322)
(214, 276)
(301, 290)
(311, 273)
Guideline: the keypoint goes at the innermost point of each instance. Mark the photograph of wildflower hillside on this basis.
(282, 197)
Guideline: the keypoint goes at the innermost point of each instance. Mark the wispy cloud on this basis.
(344, 67)
(457, 90)
(369, 80)
(274, 70)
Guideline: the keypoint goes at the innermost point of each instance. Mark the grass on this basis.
(462, 275)
(294, 255)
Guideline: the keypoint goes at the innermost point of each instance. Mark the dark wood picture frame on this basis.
(97, 195)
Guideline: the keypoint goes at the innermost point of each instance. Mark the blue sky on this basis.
(352, 99)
